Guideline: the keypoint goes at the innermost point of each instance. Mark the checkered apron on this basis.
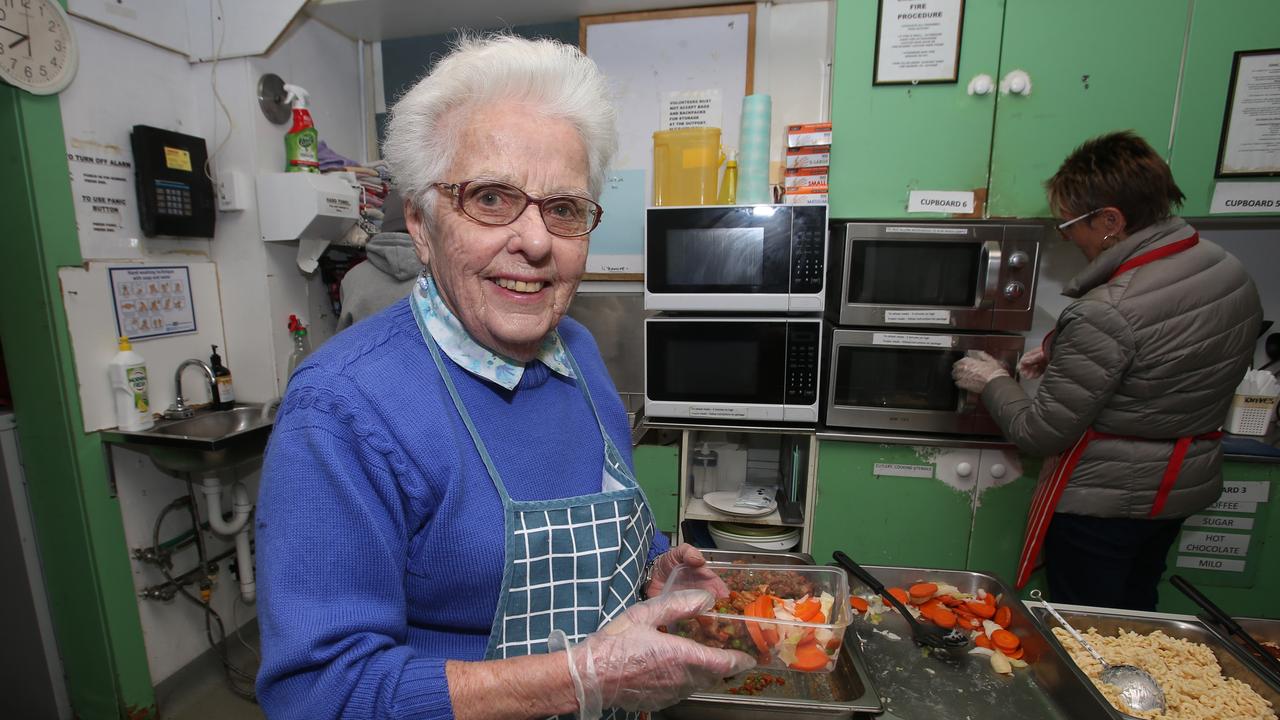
(572, 564)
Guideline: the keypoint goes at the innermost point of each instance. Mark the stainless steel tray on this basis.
(915, 685)
(1261, 629)
(1109, 622)
(845, 692)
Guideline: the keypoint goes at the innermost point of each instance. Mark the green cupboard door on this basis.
(890, 139)
(1006, 483)
(1095, 66)
(869, 506)
(1218, 29)
(658, 474)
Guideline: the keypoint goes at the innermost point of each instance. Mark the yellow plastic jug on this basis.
(686, 166)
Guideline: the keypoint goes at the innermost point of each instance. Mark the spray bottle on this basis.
(301, 346)
(128, 373)
(302, 142)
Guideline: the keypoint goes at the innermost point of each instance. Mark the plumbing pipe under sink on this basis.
(241, 508)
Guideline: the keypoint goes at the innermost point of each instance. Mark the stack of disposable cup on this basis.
(753, 153)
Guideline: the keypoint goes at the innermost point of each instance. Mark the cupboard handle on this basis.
(1017, 82)
(963, 469)
(981, 84)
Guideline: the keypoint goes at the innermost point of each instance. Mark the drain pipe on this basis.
(239, 526)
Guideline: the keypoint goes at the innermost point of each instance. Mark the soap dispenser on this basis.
(301, 346)
(226, 392)
(706, 470)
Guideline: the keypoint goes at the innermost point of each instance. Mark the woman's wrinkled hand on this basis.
(975, 370)
(629, 664)
(689, 556)
(1032, 364)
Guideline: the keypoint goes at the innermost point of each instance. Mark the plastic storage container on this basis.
(768, 626)
(686, 166)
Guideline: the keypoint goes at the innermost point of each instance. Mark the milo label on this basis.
(136, 377)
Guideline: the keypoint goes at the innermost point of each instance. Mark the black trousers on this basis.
(1107, 562)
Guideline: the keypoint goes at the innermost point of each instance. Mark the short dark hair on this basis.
(1115, 170)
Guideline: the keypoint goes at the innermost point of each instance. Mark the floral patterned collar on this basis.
(470, 355)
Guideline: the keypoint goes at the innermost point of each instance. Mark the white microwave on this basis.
(944, 276)
(735, 258)
(732, 368)
(892, 379)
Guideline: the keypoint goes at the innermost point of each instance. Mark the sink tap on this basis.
(179, 409)
(268, 408)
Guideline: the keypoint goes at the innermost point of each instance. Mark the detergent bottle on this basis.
(302, 142)
(128, 373)
(301, 346)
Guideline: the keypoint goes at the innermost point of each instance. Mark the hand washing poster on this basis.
(152, 301)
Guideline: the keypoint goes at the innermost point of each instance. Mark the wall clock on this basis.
(37, 50)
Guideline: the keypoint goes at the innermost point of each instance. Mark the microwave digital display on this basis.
(716, 257)
(922, 273)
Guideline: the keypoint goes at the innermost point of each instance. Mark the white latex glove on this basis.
(973, 371)
(1032, 364)
(629, 664)
(687, 555)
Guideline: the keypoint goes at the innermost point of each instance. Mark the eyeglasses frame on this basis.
(457, 190)
(1062, 227)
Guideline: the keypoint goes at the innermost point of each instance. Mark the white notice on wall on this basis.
(103, 194)
(918, 317)
(940, 201)
(1246, 490)
(1204, 563)
(152, 301)
(900, 470)
(1245, 197)
(691, 108)
(1251, 140)
(912, 340)
(1220, 522)
(1214, 543)
(918, 41)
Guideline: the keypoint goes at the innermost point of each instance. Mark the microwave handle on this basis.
(991, 278)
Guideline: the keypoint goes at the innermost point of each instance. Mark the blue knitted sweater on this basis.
(379, 535)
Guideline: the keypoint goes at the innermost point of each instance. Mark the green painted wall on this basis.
(78, 522)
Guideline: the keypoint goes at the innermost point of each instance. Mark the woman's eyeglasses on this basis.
(493, 203)
(1062, 227)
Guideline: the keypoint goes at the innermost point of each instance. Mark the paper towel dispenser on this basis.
(313, 209)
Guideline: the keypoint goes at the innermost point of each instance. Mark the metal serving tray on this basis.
(845, 692)
(1260, 629)
(916, 685)
(1109, 622)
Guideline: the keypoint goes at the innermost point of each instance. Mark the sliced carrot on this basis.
(1005, 640)
(899, 594)
(990, 599)
(943, 618)
(1003, 616)
(810, 657)
(858, 604)
(931, 604)
(980, 609)
(951, 600)
(1015, 654)
(805, 611)
(770, 635)
(982, 641)
(923, 591)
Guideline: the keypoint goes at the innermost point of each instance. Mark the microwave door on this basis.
(912, 281)
(989, 285)
(904, 388)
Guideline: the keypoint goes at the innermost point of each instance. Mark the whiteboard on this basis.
(652, 55)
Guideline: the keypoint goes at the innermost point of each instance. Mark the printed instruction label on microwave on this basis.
(926, 230)
(912, 340)
(918, 317)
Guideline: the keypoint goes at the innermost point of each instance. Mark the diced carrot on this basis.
(943, 618)
(923, 591)
(1005, 640)
(1003, 616)
(810, 657)
(1015, 654)
(981, 609)
(858, 604)
(982, 641)
(899, 594)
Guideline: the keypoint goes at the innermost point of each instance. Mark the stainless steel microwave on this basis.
(979, 276)
(892, 379)
(735, 368)
(735, 258)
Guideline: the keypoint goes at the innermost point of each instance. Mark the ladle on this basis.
(1138, 690)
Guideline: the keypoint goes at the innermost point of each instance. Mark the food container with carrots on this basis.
(789, 617)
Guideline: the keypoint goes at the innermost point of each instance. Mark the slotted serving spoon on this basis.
(952, 642)
(1138, 690)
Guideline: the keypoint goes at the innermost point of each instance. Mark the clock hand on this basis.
(28, 35)
(19, 41)
(15, 32)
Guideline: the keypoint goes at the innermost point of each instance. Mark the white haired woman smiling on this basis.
(448, 500)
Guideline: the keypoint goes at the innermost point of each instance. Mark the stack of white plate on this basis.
(735, 536)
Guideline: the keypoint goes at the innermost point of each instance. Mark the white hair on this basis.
(556, 79)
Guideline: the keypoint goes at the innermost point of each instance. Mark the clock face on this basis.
(37, 50)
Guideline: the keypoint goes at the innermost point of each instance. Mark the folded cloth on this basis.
(330, 160)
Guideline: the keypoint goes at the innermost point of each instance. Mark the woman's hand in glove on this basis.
(1032, 364)
(687, 555)
(975, 370)
(629, 664)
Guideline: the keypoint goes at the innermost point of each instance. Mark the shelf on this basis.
(696, 509)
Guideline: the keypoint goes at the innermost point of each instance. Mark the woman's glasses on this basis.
(1062, 227)
(493, 203)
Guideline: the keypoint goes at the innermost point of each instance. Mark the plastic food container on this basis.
(768, 625)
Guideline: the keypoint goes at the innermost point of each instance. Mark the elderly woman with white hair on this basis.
(448, 524)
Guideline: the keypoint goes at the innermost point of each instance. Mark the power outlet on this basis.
(233, 191)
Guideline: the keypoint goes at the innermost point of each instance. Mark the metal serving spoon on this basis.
(952, 642)
(1138, 690)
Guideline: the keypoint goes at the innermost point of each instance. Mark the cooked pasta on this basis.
(1188, 672)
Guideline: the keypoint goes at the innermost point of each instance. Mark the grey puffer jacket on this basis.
(1155, 353)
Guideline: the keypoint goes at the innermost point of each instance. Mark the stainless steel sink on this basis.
(211, 440)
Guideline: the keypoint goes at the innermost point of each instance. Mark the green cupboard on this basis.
(1093, 67)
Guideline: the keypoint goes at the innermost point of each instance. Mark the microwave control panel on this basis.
(808, 249)
(803, 360)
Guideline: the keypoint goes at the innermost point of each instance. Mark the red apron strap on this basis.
(1048, 493)
(1174, 467)
(1172, 248)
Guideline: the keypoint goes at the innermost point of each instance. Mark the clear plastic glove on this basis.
(1032, 364)
(973, 371)
(687, 555)
(629, 664)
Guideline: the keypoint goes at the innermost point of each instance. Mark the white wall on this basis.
(124, 81)
(793, 64)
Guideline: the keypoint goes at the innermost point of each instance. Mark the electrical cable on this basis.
(213, 81)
